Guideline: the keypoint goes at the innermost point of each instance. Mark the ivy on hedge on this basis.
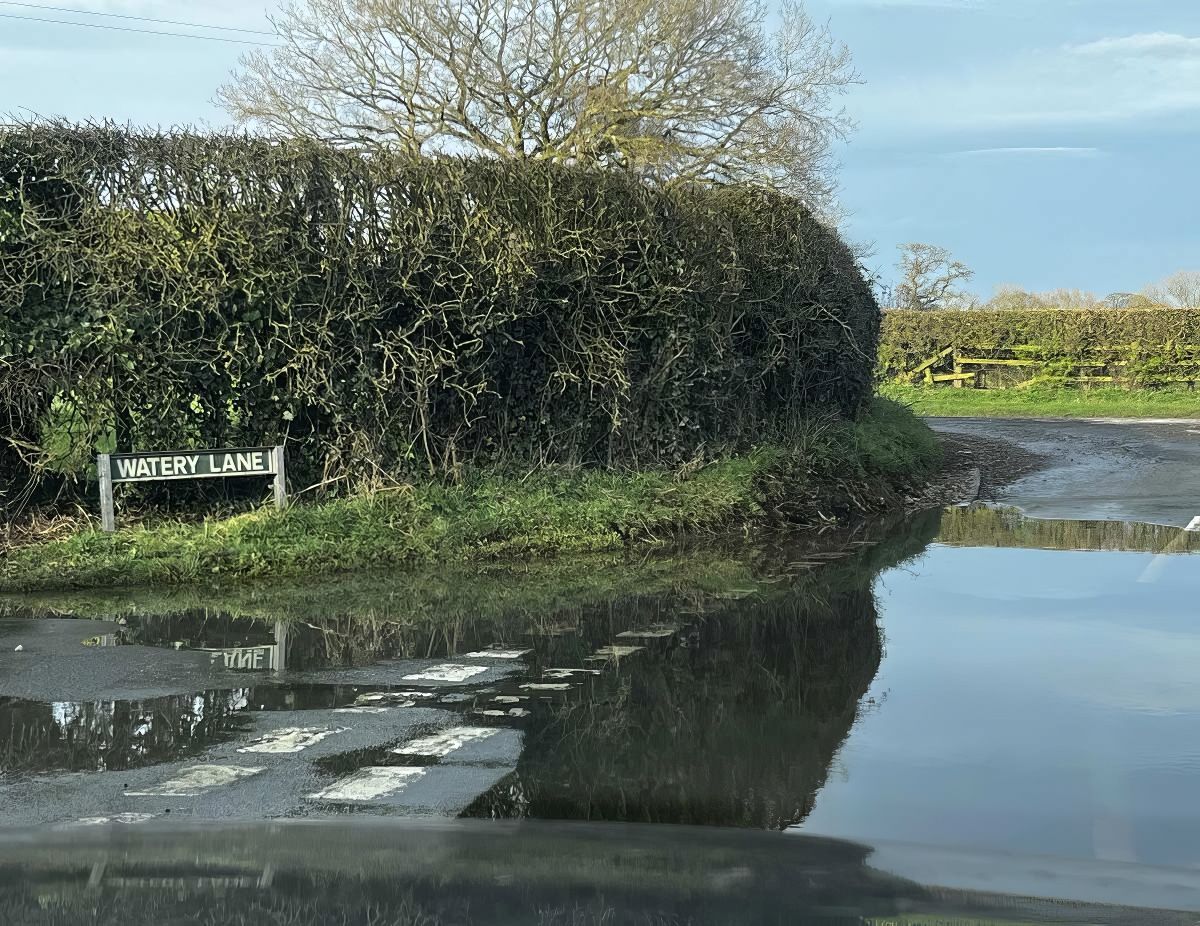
(389, 316)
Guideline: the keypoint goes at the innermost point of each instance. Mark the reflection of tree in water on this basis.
(113, 735)
(738, 727)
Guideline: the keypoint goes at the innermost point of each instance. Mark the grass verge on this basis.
(1048, 402)
(834, 470)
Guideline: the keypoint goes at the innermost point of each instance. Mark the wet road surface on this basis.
(1101, 469)
(1037, 692)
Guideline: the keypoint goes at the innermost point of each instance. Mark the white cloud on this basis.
(1101, 83)
(1064, 151)
(1146, 43)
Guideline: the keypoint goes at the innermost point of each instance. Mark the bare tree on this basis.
(930, 279)
(1127, 301)
(697, 89)
(1008, 296)
(1180, 289)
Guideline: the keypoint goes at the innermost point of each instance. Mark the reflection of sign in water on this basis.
(245, 657)
(262, 658)
(187, 464)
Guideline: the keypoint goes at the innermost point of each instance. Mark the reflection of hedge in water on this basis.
(351, 620)
(991, 527)
(387, 314)
(195, 628)
(738, 728)
(113, 735)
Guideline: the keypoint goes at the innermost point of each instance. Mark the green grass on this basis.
(835, 469)
(1047, 402)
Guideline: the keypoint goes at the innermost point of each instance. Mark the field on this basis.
(1047, 402)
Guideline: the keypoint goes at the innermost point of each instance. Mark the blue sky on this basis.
(1047, 143)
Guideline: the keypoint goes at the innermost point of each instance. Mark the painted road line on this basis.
(510, 699)
(370, 710)
(616, 651)
(198, 779)
(511, 712)
(1152, 572)
(649, 633)
(546, 686)
(290, 739)
(369, 784)
(390, 697)
(448, 672)
(444, 743)
(498, 654)
(123, 818)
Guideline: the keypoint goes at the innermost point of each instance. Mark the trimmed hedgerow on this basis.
(386, 316)
(1136, 346)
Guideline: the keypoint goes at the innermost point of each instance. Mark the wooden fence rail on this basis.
(998, 369)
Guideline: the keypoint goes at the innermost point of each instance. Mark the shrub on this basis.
(1145, 340)
(387, 316)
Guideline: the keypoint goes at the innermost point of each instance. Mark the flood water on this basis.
(968, 678)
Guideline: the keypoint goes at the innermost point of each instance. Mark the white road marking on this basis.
(290, 739)
(197, 780)
(126, 818)
(546, 686)
(510, 699)
(511, 712)
(1152, 572)
(446, 673)
(388, 697)
(370, 710)
(444, 743)
(368, 784)
(498, 654)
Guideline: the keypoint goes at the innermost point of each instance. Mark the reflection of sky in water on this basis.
(1040, 701)
(64, 712)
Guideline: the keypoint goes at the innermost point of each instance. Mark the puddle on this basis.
(1037, 693)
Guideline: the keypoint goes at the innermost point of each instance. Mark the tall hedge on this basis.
(386, 315)
(1145, 337)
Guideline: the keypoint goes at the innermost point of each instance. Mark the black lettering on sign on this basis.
(144, 467)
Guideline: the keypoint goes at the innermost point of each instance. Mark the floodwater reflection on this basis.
(968, 677)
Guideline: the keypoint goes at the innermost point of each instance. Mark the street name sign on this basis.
(113, 468)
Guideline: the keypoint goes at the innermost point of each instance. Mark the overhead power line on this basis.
(144, 19)
(180, 35)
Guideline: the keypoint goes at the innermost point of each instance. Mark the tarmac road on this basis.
(1098, 469)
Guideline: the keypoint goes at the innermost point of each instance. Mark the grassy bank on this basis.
(1048, 402)
(836, 470)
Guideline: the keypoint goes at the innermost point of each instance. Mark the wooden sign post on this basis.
(113, 468)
